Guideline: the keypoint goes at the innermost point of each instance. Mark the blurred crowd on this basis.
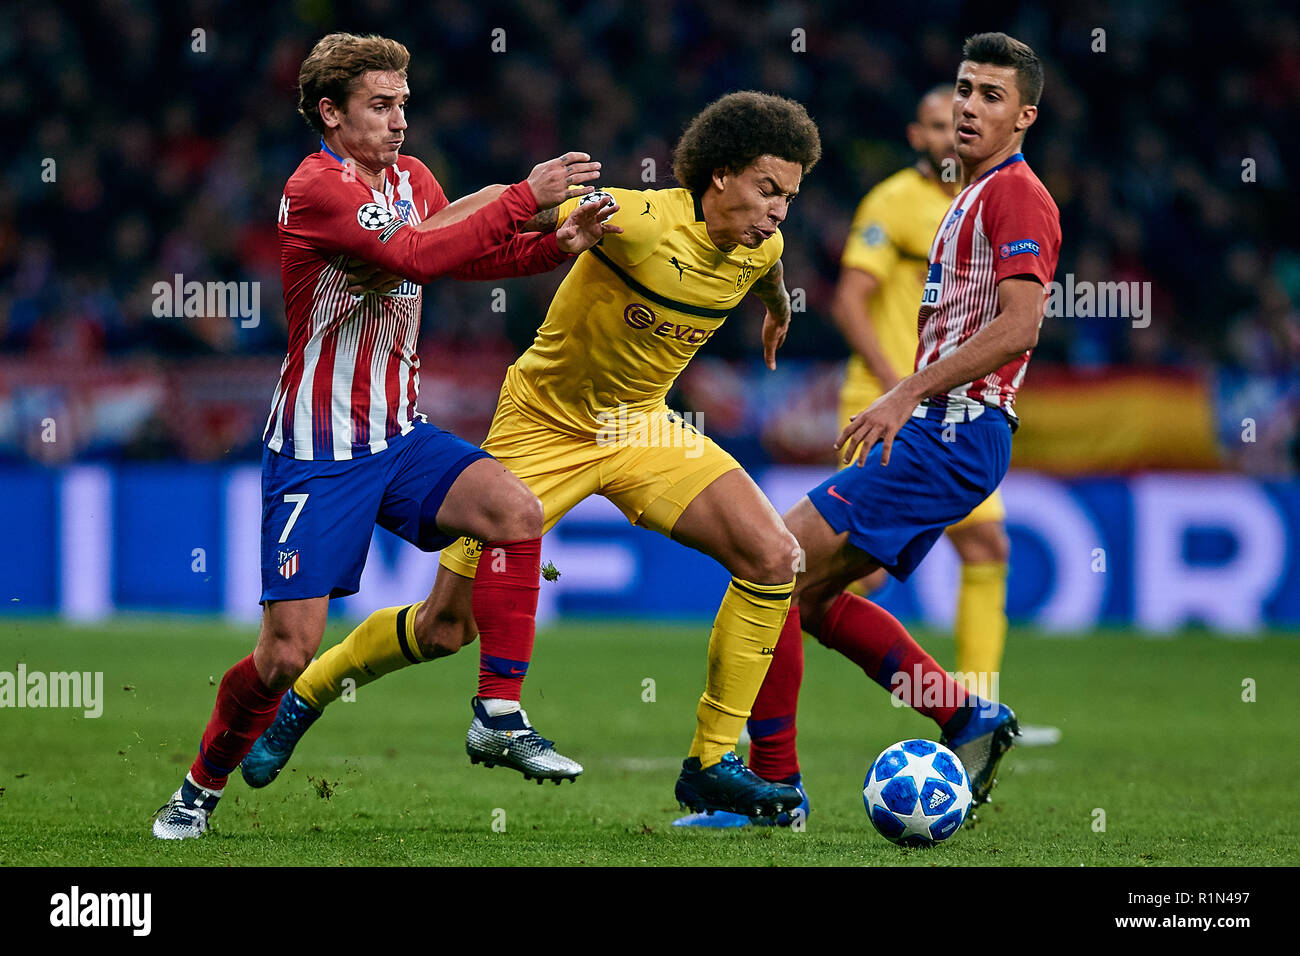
(154, 139)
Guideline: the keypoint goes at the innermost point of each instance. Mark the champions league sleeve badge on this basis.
(374, 216)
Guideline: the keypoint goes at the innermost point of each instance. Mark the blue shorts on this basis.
(895, 513)
(318, 516)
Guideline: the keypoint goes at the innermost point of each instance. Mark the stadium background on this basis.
(1153, 484)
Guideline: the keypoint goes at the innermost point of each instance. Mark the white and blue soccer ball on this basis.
(917, 793)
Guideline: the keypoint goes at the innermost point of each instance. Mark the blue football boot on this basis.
(980, 743)
(724, 820)
(732, 787)
(272, 750)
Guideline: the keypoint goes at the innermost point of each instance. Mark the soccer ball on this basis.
(596, 196)
(917, 793)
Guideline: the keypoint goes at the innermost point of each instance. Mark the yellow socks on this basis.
(980, 630)
(382, 643)
(744, 637)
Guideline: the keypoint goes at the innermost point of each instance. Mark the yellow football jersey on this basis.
(632, 312)
(890, 238)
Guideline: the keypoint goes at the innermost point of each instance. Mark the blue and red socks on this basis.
(245, 707)
(773, 754)
(506, 585)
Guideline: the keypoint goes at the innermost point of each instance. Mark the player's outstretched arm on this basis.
(534, 252)
(526, 253)
(329, 219)
(366, 277)
(1013, 331)
(545, 221)
(462, 208)
(553, 178)
(771, 291)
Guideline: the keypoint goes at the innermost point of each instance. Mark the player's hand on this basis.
(561, 178)
(587, 225)
(880, 422)
(364, 277)
(774, 331)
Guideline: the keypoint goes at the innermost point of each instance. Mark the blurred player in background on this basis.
(345, 448)
(582, 412)
(936, 443)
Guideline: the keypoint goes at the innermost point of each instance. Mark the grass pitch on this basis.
(1157, 737)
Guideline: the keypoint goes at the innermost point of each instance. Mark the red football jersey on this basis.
(351, 378)
(1003, 224)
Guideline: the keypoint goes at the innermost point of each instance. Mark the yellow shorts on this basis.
(856, 395)
(651, 469)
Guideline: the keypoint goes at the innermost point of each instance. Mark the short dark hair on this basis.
(999, 49)
(334, 66)
(733, 131)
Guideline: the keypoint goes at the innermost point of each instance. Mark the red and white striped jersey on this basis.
(351, 378)
(1003, 224)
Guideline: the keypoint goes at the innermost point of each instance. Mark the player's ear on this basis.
(720, 177)
(1028, 113)
(329, 113)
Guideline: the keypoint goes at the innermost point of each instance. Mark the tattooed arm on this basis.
(544, 221)
(771, 291)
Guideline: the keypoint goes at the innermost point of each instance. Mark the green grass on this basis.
(1155, 734)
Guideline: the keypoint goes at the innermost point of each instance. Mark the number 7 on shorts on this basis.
(298, 500)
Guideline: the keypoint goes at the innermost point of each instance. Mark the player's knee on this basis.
(775, 562)
(285, 647)
(284, 663)
(287, 642)
(531, 516)
(517, 516)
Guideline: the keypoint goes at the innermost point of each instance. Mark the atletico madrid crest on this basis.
(288, 563)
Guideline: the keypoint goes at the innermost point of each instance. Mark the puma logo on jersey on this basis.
(648, 212)
(681, 269)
